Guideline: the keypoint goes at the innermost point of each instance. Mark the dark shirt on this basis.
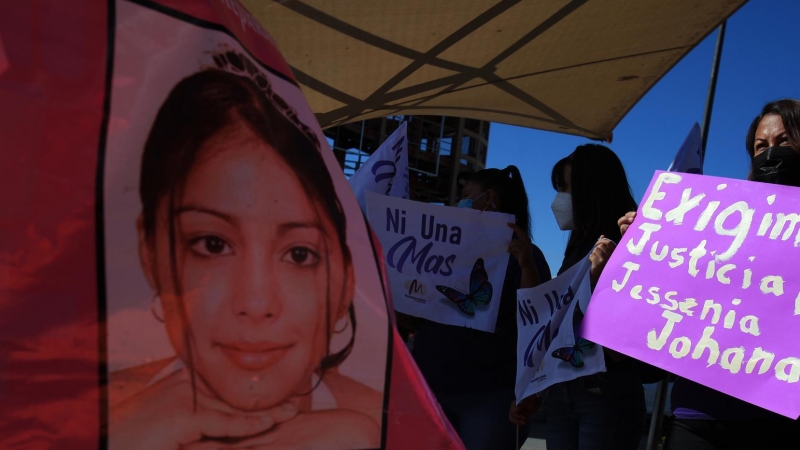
(690, 400)
(576, 255)
(460, 360)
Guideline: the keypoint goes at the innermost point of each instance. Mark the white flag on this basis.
(386, 170)
(549, 348)
(689, 158)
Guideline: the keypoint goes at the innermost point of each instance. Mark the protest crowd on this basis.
(184, 266)
(605, 410)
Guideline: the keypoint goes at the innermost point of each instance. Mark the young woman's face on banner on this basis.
(260, 274)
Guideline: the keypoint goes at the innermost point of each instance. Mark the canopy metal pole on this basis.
(657, 420)
(712, 87)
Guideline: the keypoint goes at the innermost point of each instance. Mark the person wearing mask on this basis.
(606, 410)
(472, 373)
(706, 419)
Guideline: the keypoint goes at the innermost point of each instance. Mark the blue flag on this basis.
(689, 158)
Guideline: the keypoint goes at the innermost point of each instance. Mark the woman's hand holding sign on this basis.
(599, 258)
(522, 250)
(625, 221)
(527, 408)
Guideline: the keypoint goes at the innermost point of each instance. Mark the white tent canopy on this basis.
(573, 67)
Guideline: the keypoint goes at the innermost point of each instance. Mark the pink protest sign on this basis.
(706, 284)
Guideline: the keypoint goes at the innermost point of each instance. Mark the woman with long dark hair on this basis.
(243, 240)
(592, 188)
(472, 372)
(706, 419)
(605, 410)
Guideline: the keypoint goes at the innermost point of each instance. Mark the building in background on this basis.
(439, 148)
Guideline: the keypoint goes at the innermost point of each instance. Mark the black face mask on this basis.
(777, 165)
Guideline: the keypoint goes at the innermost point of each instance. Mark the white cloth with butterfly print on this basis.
(549, 347)
(386, 170)
(445, 264)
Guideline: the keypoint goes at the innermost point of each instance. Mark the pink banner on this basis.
(183, 264)
(705, 282)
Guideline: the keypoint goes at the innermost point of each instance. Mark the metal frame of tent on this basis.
(657, 419)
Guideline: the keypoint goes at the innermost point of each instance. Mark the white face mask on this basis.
(562, 209)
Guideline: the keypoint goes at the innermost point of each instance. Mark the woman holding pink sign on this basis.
(706, 419)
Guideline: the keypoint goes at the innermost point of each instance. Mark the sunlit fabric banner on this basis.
(550, 348)
(445, 264)
(386, 170)
(183, 264)
(705, 285)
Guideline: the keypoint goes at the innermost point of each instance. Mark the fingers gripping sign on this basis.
(626, 221)
(520, 414)
(599, 257)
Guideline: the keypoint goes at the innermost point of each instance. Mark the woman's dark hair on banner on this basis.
(243, 239)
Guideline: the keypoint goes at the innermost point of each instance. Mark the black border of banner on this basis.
(102, 309)
(390, 339)
(100, 247)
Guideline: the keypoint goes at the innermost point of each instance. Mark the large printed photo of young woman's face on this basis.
(244, 307)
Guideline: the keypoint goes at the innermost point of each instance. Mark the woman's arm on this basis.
(354, 423)
(599, 258)
(522, 250)
(522, 413)
(530, 277)
(171, 414)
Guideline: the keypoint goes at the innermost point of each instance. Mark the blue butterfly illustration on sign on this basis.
(479, 293)
(574, 354)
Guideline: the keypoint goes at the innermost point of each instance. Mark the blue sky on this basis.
(759, 63)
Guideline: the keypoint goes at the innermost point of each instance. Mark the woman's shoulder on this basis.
(355, 396)
(124, 383)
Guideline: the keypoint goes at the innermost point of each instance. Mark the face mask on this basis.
(777, 165)
(467, 202)
(562, 209)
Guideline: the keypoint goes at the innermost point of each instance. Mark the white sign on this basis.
(549, 349)
(445, 264)
(386, 170)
